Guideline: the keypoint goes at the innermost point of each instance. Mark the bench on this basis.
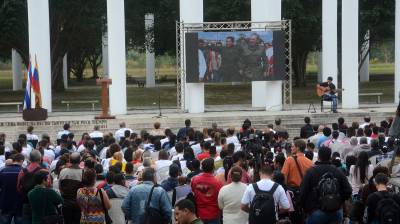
(139, 83)
(18, 104)
(93, 102)
(378, 96)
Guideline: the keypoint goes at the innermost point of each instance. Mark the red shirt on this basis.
(203, 155)
(206, 188)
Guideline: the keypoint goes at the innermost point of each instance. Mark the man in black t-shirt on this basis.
(330, 94)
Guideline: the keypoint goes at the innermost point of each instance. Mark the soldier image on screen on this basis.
(230, 55)
(253, 57)
(202, 61)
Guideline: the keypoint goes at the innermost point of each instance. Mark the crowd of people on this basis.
(330, 173)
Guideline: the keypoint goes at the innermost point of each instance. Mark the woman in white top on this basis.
(360, 173)
(229, 199)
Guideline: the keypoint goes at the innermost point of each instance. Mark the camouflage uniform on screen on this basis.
(253, 57)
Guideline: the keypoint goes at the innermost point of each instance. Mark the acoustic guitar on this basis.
(322, 90)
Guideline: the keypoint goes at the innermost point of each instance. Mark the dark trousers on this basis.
(71, 212)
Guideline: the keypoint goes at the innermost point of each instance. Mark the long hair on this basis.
(227, 163)
(362, 166)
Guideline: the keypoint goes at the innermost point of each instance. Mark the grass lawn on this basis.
(374, 69)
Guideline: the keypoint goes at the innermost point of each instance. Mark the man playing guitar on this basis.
(327, 90)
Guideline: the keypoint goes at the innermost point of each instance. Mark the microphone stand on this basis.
(159, 99)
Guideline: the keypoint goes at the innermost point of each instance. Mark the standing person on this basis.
(116, 194)
(134, 205)
(206, 188)
(120, 133)
(10, 199)
(296, 165)
(31, 138)
(44, 201)
(70, 180)
(316, 182)
(360, 173)
(183, 131)
(253, 56)
(230, 61)
(229, 199)
(330, 92)
(307, 130)
(258, 196)
(185, 213)
(65, 131)
(382, 206)
(94, 203)
(239, 159)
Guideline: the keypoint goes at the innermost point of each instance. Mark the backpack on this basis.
(388, 209)
(329, 193)
(262, 208)
(27, 182)
(152, 215)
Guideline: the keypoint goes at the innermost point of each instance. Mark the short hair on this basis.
(236, 174)
(340, 120)
(335, 134)
(18, 157)
(122, 125)
(40, 176)
(307, 120)
(330, 78)
(266, 170)
(280, 159)
(238, 156)
(207, 165)
(157, 125)
(301, 144)
(278, 121)
(381, 178)
(29, 129)
(207, 145)
(363, 140)
(327, 131)
(99, 168)
(311, 145)
(35, 156)
(75, 158)
(89, 177)
(179, 147)
(186, 204)
(231, 38)
(309, 155)
(129, 168)
(324, 153)
(367, 119)
(195, 164)
(119, 179)
(335, 126)
(188, 122)
(174, 170)
(148, 174)
(66, 126)
(163, 155)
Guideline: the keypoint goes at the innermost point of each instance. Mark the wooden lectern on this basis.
(105, 100)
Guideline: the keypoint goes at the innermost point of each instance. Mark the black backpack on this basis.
(262, 208)
(329, 193)
(388, 210)
(27, 182)
(152, 215)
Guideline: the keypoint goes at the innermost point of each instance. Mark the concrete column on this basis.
(39, 46)
(191, 11)
(397, 54)
(150, 58)
(266, 10)
(16, 70)
(329, 40)
(116, 53)
(104, 50)
(350, 53)
(65, 71)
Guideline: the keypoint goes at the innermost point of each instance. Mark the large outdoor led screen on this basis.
(234, 56)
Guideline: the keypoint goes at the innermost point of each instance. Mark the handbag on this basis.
(106, 215)
(51, 219)
(152, 215)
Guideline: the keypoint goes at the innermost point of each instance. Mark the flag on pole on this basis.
(36, 86)
(27, 99)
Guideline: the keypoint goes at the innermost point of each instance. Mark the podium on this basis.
(105, 100)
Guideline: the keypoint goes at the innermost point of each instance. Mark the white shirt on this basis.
(363, 125)
(232, 139)
(121, 133)
(178, 157)
(162, 163)
(49, 154)
(196, 149)
(96, 134)
(31, 137)
(279, 195)
(2, 161)
(26, 151)
(164, 140)
(61, 133)
(229, 199)
(355, 181)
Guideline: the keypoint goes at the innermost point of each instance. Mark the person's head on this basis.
(327, 131)
(335, 135)
(353, 141)
(363, 141)
(278, 121)
(179, 147)
(66, 127)
(174, 170)
(324, 154)
(330, 79)
(236, 174)
(368, 131)
(163, 155)
(230, 41)
(122, 125)
(129, 168)
(310, 147)
(307, 120)
(35, 156)
(119, 179)
(29, 129)
(185, 211)
(41, 177)
(299, 145)
(75, 158)
(99, 169)
(188, 123)
(207, 165)
(195, 165)
(157, 125)
(89, 177)
(340, 120)
(149, 174)
(279, 160)
(309, 155)
(367, 119)
(239, 157)
(18, 158)
(335, 126)
(266, 172)
(381, 179)
(253, 39)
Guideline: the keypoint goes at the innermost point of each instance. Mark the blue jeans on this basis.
(7, 217)
(333, 98)
(320, 217)
(212, 221)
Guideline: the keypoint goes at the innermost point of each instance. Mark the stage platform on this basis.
(225, 116)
